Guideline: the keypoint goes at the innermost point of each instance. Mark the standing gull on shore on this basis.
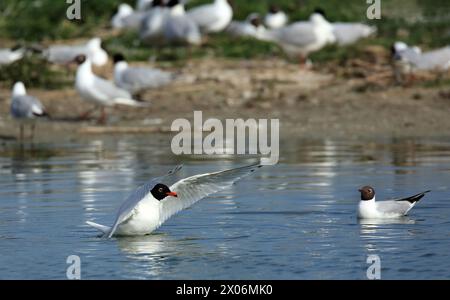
(349, 33)
(152, 25)
(213, 17)
(9, 56)
(251, 27)
(179, 29)
(438, 59)
(138, 79)
(25, 108)
(99, 91)
(65, 54)
(275, 18)
(301, 38)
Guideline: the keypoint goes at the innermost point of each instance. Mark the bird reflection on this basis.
(155, 252)
(375, 231)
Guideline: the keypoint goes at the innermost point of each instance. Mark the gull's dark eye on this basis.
(160, 190)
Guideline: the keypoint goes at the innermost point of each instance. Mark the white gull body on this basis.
(371, 209)
(349, 33)
(302, 38)
(64, 54)
(8, 56)
(275, 20)
(179, 28)
(24, 106)
(213, 17)
(137, 79)
(100, 91)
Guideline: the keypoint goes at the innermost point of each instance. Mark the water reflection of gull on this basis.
(373, 230)
(154, 251)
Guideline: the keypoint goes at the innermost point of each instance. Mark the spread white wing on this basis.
(126, 209)
(195, 188)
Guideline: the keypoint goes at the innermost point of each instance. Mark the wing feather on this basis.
(194, 188)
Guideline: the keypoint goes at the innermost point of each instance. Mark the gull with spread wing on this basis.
(153, 203)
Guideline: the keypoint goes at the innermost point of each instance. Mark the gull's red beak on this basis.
(173, 194)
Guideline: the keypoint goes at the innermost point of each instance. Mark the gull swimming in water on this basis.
(148, 207)
(275, 18)
(25, 107)
(301, 38)
(99, 91)
(138, 79)
(369, 209)
(213, 17)
(8, 56)
(65, 54)
(179, 28)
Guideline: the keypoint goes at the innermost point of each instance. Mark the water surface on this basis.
(295, 220)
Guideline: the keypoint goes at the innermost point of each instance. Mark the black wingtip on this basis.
(415, 198)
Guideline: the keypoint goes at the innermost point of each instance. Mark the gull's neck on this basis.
(119, 68)
(178, 10)
(84, 72)
(368, 201)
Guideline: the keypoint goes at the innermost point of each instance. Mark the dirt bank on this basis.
(308, 103)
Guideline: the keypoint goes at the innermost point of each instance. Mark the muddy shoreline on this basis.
(309, 103)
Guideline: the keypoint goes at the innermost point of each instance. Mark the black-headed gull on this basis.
(179, 28)
(99, 91)
(213, 17)
(438, 59)
(138, 79)
(65, 54)
(25, 107)
(147, 208)
(369, 209)
(151, 29)
(251, 27)
(275, 18)
(301, 38)
(8, 56)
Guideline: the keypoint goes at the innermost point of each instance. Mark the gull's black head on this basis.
(16, 47)
(118, 57)
(320, 11)
(161, 191)
(274, 9)
(256, 21)
(173, 3)
(80, 59)
(156, 3)
(367, 193)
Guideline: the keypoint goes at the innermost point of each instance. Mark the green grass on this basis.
(34, 71)
(425, 23)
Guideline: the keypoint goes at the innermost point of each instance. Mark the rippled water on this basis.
(295, 220)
